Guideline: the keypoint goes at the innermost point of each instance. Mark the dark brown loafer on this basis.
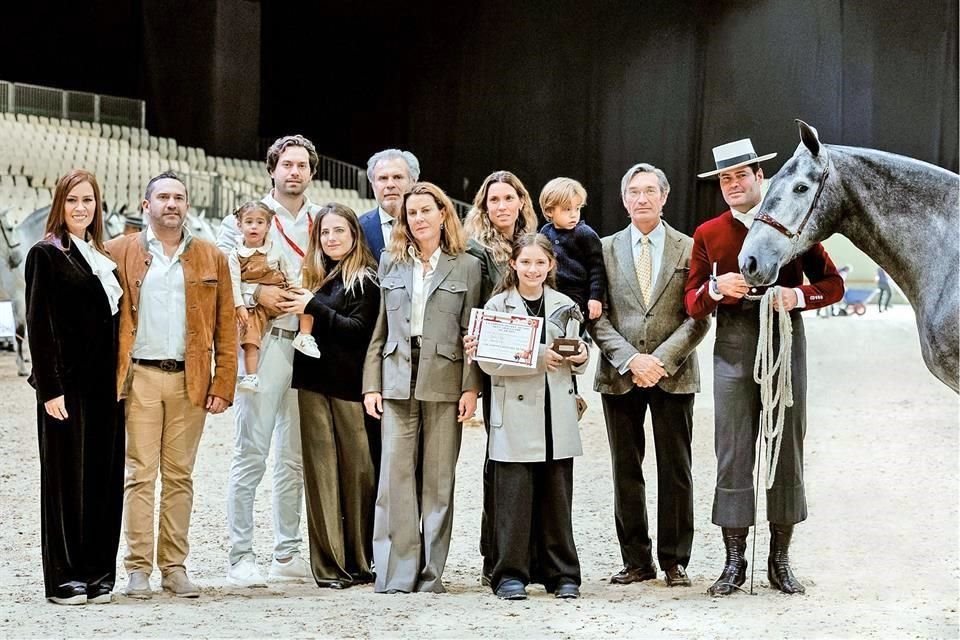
(629, 575)
(676, 576)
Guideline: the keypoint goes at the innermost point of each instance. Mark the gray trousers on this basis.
(737, 423)
(414, 513)
(339, 486)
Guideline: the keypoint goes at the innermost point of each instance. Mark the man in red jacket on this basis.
(716, 285)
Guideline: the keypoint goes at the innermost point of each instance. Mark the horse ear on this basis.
(809, 138)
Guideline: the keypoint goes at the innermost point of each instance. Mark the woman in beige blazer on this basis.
(534, 435)
(416, 378)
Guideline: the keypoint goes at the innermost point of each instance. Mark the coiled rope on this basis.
(772, 371)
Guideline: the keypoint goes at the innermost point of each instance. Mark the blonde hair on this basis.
(559, 192)
(354, 268)
(453, 241)
(509, 279)
(479, 227)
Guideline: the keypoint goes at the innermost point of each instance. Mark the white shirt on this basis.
(162, 314)
(297, 229)
(657, 237)
(386, 225)
(102, 267)
(276, 259)
(421, 284)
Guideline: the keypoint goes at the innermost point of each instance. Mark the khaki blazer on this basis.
(442, 374)
(517, 413)
(662, 328)
(211, 341)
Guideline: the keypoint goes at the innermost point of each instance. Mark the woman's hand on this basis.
(296, 301)
(581, 355)
(468, 405)
(373, 403)
(553, 360)
(56, 408)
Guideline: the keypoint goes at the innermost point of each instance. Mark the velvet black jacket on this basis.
(343, 322)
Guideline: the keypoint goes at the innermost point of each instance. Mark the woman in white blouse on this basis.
(415, 377)
(72, 302)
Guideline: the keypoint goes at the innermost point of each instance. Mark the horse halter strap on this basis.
(795, 235)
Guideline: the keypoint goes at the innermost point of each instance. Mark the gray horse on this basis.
(13, 287)
(900, 211)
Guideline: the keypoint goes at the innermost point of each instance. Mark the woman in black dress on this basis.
(72, 294)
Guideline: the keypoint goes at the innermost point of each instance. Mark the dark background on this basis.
(582, 89)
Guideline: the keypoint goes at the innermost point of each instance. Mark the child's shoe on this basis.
(305, 344)
(249, 382)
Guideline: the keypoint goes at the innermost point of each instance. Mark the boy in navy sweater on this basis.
(580, 272)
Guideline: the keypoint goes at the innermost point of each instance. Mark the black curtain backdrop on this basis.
(582, 89)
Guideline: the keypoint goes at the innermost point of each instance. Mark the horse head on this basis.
(9, 244)
(792, 216)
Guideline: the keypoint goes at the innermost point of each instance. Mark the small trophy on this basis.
(568, 318)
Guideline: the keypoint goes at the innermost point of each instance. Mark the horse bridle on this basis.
(795, 235)
(6, 237)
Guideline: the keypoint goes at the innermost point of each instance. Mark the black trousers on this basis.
(672, 415)
(486, 517)
(534, 523)
(81, 490)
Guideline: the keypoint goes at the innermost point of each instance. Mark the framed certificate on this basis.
(506, 338)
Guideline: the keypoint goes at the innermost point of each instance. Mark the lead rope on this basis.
(772, 371)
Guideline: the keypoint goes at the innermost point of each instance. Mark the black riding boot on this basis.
(778, 564)
(735, 568)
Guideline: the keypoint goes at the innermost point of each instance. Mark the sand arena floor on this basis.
(879, 553)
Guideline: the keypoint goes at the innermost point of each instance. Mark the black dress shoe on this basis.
(99, 593)
(629, 575)
(676, 576)
(567, 591)
(69, 593)
(511, 589)
(779, 572)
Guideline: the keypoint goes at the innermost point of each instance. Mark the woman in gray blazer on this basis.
(534, 435)
(415, 377)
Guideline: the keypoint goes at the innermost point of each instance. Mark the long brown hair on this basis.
(453, 240)
(509, 279)
(478, 225)
(57, 220)
(355, 267)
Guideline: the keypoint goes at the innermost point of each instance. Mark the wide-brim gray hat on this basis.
(735, 154)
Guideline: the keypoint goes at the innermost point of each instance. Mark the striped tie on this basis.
(644, 267)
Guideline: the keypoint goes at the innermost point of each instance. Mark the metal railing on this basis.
(35, 100)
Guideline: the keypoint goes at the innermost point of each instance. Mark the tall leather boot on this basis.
(778, 563)
(734, 571)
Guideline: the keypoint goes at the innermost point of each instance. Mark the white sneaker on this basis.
(305, 344)
(294, 570)
(245, 574)
(249, 382)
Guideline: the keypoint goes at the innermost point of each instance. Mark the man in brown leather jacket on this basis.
(177, 362)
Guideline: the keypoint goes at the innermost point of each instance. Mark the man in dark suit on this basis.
(649, 361)
(392, 173)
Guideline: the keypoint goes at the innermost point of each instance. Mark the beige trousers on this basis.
(163, 434)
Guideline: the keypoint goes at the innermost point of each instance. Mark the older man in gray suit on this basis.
(649, 360)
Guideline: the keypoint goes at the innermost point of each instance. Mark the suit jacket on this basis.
(491, 272)
(517, 413)
(370, 223)
(442, 375)
(661, 328)
(211, 327)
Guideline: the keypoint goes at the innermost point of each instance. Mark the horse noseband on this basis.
(795, 235)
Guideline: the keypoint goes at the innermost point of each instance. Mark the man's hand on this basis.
(581, 355)
(789, 299)
(270, 298)
(373, 403)
(216, 405)
(732, 285)
(646, 370)
(594, 309)
(467, 406)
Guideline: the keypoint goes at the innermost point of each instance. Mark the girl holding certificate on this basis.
(416, 377)
(534, 435)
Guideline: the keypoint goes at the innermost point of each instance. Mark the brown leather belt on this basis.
(170, 366)
(286, 334)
